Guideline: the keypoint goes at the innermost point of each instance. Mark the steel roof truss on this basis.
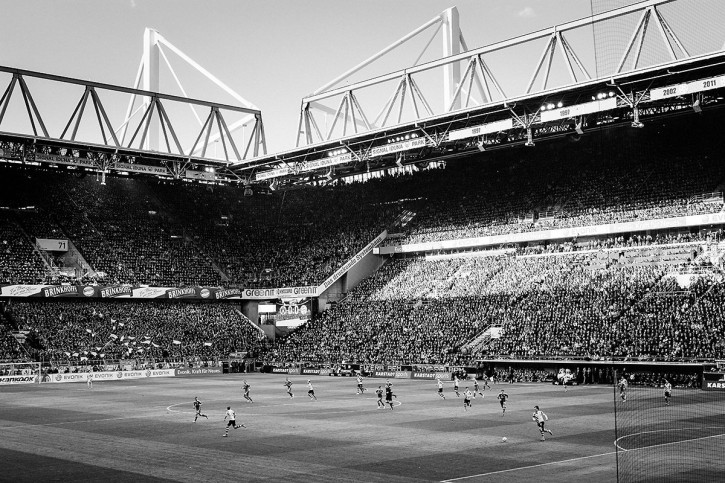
(423, 101)
(229, 136)
(30, 104)
(5, 100)
(542, 59)
(641, 28)
(343, 102)
(166, 121)
(99, 107)
(201, 132)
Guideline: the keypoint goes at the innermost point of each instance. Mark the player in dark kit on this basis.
(288, 385)
(245, 388)
(389, 384)
(197, 407)
(389, 395)
(485, 382)
(379, 392)
(502, 397)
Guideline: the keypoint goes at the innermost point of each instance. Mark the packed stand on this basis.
(295, 238)
(626, 305)
(19, 263)
(117, 330)
(605, 180)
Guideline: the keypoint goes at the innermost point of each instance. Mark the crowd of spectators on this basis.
(82, 331)
(167, 233)
(594, 184)
(563, 305)
(18, 262)
(161, 233)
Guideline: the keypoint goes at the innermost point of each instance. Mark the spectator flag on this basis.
(84, 359)
(75, 354)
(114, 336)
(121, 324)
(113, 321)
(207, 344)
(155, 344)
(101, 355)
(145, 341)
(94, 353)
(89, 331)
(140, 349)
(131, 338)
(177, 342)
(67, 354)
(126, 343)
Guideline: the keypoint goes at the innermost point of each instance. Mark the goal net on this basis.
(675, 438)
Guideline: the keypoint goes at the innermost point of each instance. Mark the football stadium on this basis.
(496, 262)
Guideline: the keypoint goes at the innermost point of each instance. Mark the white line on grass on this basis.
(616, 442)
(29, 425)
(528, 467)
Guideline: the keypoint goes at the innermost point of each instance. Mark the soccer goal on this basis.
(669, 435)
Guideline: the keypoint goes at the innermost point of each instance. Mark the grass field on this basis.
(144, 431)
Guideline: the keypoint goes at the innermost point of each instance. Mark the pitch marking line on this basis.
(616, 442)
(528, 467)
(79, 422)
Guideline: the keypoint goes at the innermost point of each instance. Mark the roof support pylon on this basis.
(150, 81)
(451, 46)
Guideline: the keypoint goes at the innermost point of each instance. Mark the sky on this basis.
(271, 52)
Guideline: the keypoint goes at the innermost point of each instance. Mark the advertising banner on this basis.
(280, 370)
(424, 375)
(397, 147)
(4, 380)
(403, 374)
(713, 381)
(384, 374)
(127, 291)
(311, 372)
(276, 293)
(198, 371)
(109, 375)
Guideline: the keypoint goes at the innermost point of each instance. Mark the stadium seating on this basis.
(69, 331)
(565, 305)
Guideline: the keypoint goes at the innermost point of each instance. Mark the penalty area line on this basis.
(529, 467)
